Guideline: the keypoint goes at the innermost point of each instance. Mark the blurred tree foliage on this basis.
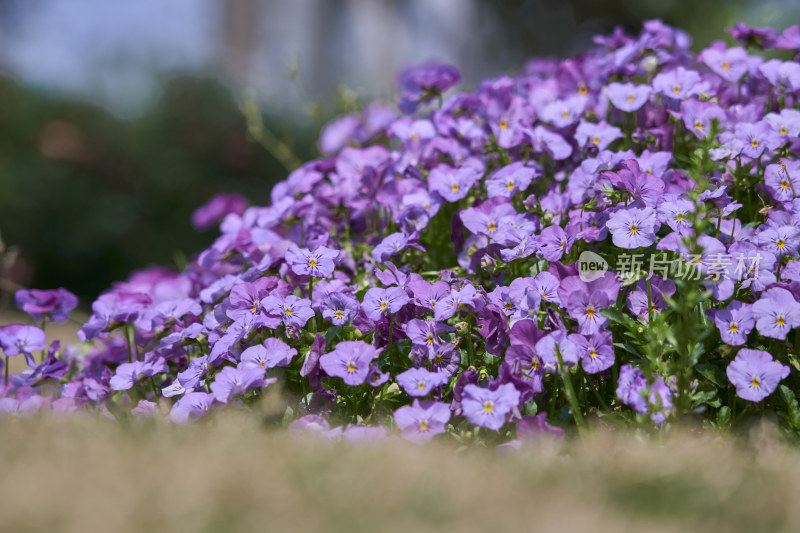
(86, 197)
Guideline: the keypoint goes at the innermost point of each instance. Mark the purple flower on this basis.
(419, 84)
(596, 351)
(784, 75)
(489, 408)
(554, 242)
(350, 360)
(426, 294)
(453, 302)
(783, 180)
(632, 227)
(230, 381)
(735, 322)
(190, 407)
(549, 346)
(755, 375)
(453, 184)
(57, 303)
(782, 240)
(678, 84)
(18, 339)
(756, 138)
(292, 310)
(510, 179)
(488, 217)
(339, 308)
(598, 135)
(425, 334)
(553, 144)
(320, 263)
(729, 64)
(379, 302)
(145, 409)
(776, 313)
(421, 421)
(418, 382)
(128, 374)
(394, 244)
(627, 96)
(698, 117)
(21, 407)
(273, 352)
(216, 209)
(633, 390)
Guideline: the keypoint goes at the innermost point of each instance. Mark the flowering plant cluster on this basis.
(422, 277)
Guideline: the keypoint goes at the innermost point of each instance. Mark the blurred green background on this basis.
(118, 120)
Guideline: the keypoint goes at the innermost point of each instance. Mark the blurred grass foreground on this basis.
(229, 474)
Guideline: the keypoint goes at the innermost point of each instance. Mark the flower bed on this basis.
(606, 239)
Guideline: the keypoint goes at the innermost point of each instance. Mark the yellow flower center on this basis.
(755, 382)
(565, 114)
(698, 125)
(384, 305)
(492, 226)
(351, 366)
(508, 306)
(592, 354)
(287, 311)
(734, 327)
(414, 137)
(510, 184)
(784, 130)
(421, 385)
(679, 217)
(255, 308)
(780, 243)
(754, 143)
(423, 425)
(488, 406)
(454, 187)
(634, 229)
(781, 320)
(631, 98)
(590, 312)
(429, 339)
(338, 313)
(726, 66)
(439, 359)
(676, 89)
(312, 262)
(784, 185)
(503, 124)
(596, 141)
(583, 89)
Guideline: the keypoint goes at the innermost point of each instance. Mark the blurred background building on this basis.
(117, 119)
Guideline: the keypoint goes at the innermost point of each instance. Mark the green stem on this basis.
(470, 347)
(5, 381)
(130, 338)
(571, 398)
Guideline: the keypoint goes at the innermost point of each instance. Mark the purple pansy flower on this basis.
(596, 351)
(191, 406)
(632, 227)
(350, 360)
(18, 339)
(419, 84)
(755, 374)
(776, 313)
(230, 381)
(339, 308)
(271, 353)
(510, 179)
(489, 408)
(627, 96)
(319, 263)
(735, 322)
(380, 302)
(418, 382)
(56, 303)
(291, 309)
(421, 421)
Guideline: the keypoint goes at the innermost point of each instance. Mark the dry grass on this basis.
(230, 474)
